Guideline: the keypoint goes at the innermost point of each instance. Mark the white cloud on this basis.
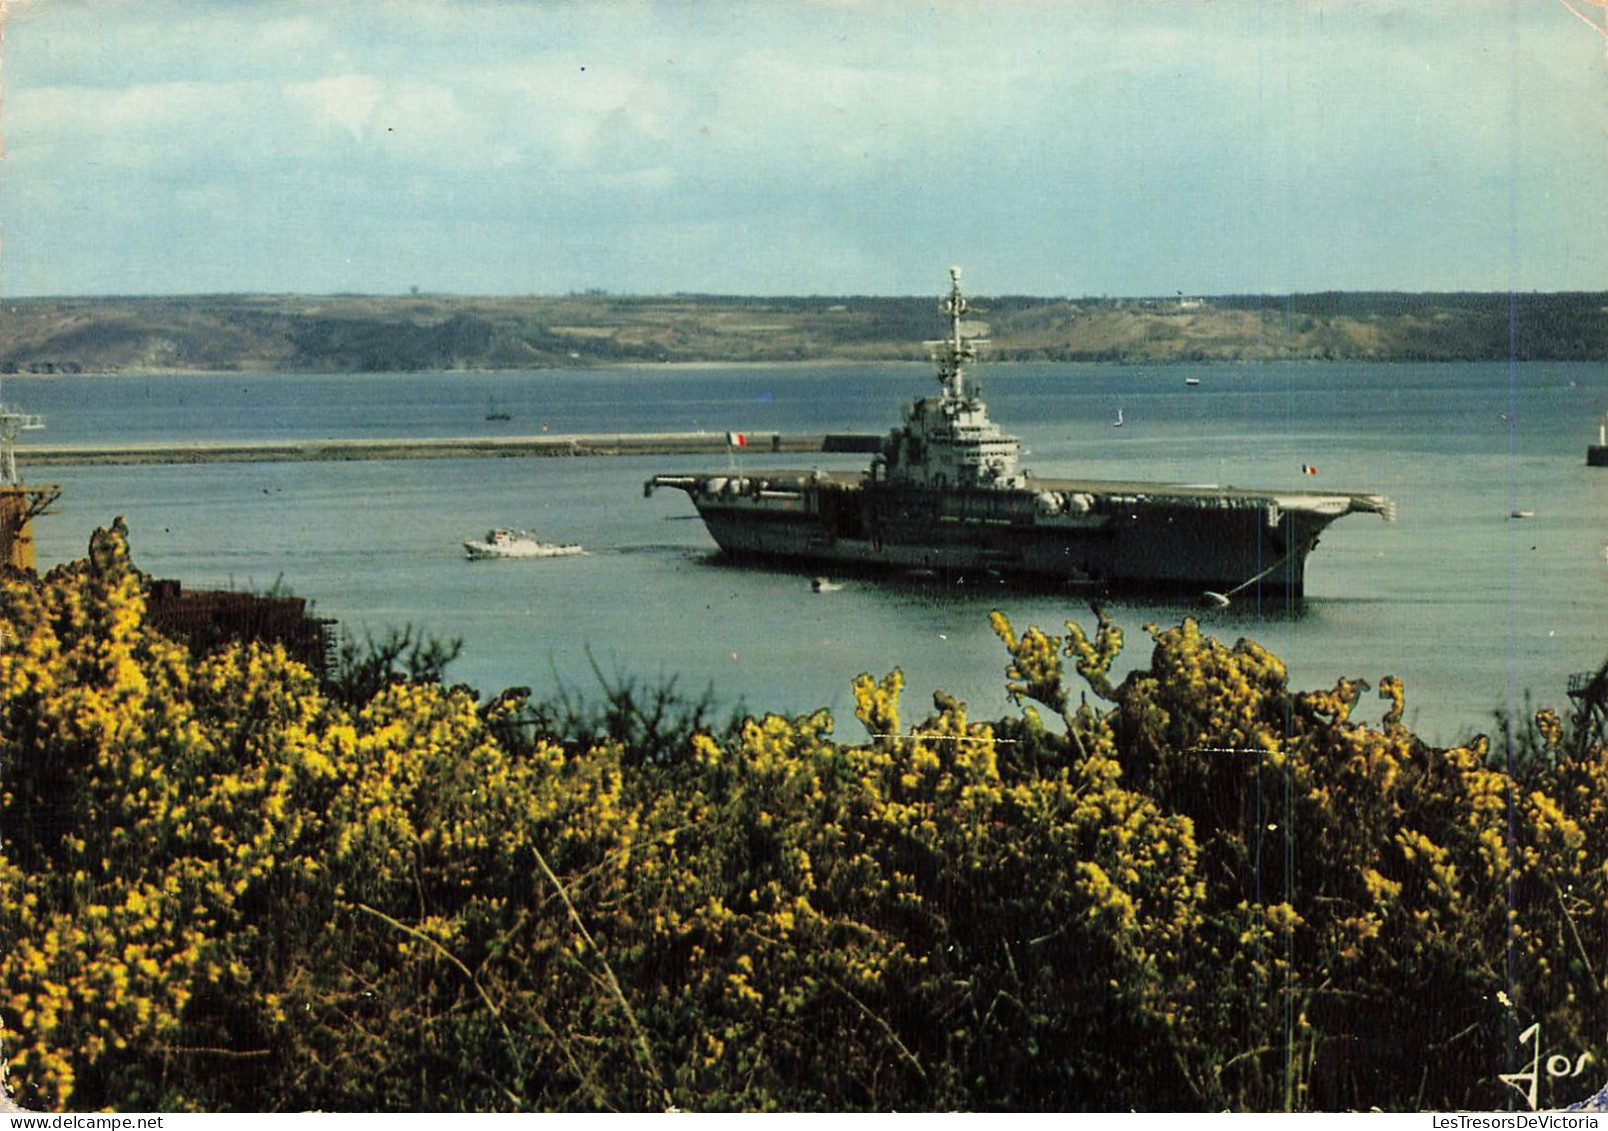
(167, 125)
(346, 100)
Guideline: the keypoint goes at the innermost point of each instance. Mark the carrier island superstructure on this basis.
(945, 494)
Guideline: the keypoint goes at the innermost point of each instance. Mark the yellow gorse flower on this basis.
(220, 885)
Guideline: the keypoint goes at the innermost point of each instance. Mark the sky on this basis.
(1073, 148)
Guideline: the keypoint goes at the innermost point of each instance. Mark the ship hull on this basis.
(1108, 535)
(1148, 553)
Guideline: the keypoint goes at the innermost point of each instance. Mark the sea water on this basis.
(1475, 609)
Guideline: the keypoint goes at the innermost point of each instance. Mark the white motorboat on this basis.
(503, 543)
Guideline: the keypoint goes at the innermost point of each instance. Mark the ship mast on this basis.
(953, 352)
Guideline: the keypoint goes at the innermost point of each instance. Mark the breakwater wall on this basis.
(469, 447)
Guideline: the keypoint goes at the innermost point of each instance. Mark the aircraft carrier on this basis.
(945, 495)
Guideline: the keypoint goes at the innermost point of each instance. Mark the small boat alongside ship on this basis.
(945, 495)
(507, 543)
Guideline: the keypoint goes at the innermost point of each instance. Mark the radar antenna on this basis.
(953, 352)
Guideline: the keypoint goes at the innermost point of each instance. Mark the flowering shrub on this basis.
(225, 886)
(1347, 869)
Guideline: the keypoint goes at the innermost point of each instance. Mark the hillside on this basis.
(369, 333)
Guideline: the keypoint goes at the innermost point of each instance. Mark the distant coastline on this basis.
(351, 333)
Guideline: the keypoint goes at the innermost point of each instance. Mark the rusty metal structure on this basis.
(206, 620)
(20, 503)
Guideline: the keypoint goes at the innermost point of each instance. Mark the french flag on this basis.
(736, 440)
(1308, 469)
